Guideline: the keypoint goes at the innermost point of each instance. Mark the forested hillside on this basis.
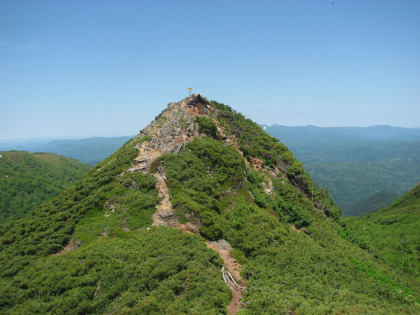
(376, 201)
(356, 163)
(139, 233)
(27, 180)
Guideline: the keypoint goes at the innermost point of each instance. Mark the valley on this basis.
(378, 162)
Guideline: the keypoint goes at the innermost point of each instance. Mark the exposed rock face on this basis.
(222, 245)
(193, 228)
(169, 133)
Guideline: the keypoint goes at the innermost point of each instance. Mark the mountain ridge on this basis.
(376, 132)
(200, 164)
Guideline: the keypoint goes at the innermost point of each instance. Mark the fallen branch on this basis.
(98, 287)
(179, 149)
(229, 279)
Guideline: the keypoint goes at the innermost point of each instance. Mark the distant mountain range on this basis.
(330, 135)
(356, 162)
(89, 151)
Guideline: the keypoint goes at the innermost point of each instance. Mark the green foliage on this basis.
(289, 211)
(196, 178)
(291, 271)
(393, 232)
(373, 202)
(156, 271)
(255, 143)
(27, 180)
(113, 270)
(382, 278)
(49, 228)
(293, 258)
(207, 126)
(353, 237)
(223, 162)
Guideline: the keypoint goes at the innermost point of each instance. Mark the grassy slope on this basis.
(394, 232)
(154, 270)
(27, 180)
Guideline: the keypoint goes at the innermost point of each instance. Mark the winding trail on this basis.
(164, 212)
(235, 269)
(164, 216)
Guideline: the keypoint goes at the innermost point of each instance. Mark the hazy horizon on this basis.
(52, 138)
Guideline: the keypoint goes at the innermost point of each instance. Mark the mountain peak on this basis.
(172, 129)
(200, 176)
(181, 122)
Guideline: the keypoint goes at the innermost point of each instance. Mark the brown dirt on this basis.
(258, 164)
(293, 227)
(164, 205)
(235, 268)
(72, 245)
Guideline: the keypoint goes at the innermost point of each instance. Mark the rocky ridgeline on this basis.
(168, 133)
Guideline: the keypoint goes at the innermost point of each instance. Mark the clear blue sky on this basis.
(107, 68)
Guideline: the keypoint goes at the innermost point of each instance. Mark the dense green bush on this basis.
(156, 271)
(197, 177)
(289, 211)
(207, 126)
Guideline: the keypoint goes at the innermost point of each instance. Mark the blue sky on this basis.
(107, 68)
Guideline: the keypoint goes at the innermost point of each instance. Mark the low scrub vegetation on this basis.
(92, 249)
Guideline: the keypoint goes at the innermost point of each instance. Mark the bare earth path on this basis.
(164, 208)
(164, 216)
(235, 269)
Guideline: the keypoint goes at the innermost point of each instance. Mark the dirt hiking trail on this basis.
(231, 270)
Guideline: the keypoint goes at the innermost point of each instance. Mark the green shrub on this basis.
(207, 126)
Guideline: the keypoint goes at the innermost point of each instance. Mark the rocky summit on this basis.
(201, 213)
